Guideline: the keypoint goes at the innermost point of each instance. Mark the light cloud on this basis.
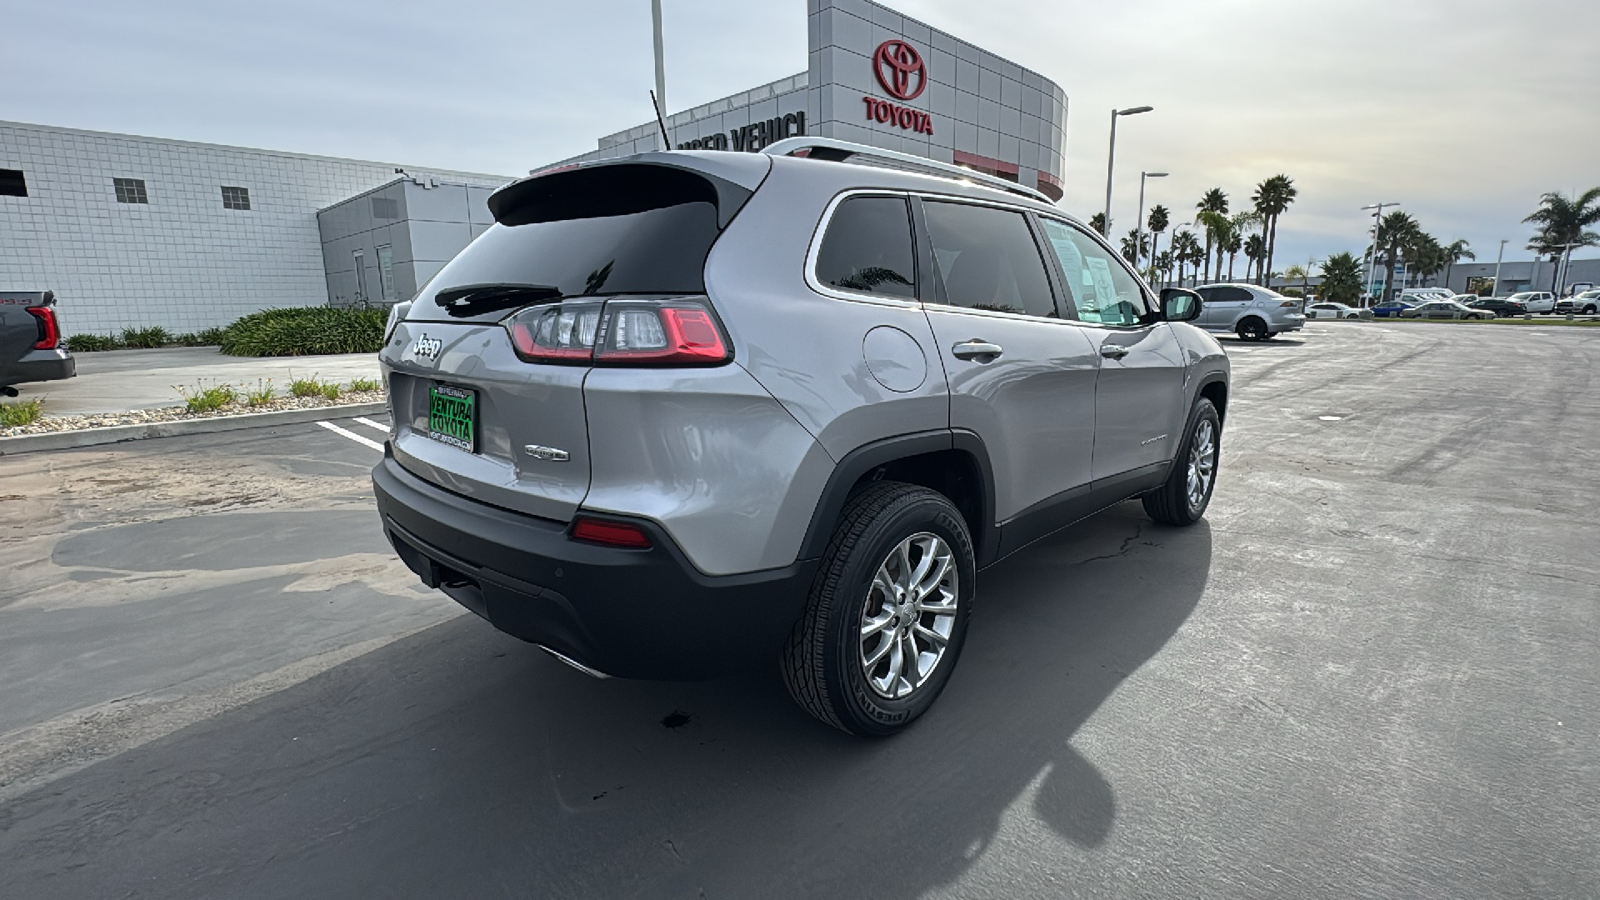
(1465, 111)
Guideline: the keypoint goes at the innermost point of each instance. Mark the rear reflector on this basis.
(614, 534)
(49, 331)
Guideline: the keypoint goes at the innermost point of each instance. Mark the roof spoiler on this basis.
(842, 151)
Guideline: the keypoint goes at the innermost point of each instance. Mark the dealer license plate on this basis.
(453, 415)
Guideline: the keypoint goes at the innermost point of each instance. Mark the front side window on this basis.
(130, 190)
(235, 198)
(1101, 288)
(988, 259)
(868, 248)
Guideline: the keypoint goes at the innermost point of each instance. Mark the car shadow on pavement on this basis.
(459, 762)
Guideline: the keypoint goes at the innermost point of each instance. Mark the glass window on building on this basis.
(386, 273)
(235, 198)
(130, 190)
(13, 183)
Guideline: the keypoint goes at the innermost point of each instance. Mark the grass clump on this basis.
(92, 343)
(307, 387)
(146, 338)
(358, 385)
(210, 337)
(304, 331)
(25, 412)
(207, 399)
(331, 390)
(261, 395)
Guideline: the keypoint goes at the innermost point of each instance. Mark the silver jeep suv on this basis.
(683, 412)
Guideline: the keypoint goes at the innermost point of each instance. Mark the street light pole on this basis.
(661, 68)
(1111, 156)
(1372, 263)
(1138, 227)
(1495, 290)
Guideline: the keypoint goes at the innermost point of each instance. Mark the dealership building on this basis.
(134, 231)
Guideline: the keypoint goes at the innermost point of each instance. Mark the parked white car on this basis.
(1328, 309)
(1536, 301)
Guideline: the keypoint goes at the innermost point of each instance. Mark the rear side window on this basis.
(867, 248)
(599, 232)
(988, 259)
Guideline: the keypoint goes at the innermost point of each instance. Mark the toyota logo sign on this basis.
(897, 63)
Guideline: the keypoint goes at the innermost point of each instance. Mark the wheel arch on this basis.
(955, 463)
(1215, 388)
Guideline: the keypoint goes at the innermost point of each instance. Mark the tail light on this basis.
(614, 534)
(1289, 304)
(675, 332)
(49, 330)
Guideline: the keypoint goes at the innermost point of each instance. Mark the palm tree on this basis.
(1396, 232)
(1293, 272)
(1159, 219)
(1163, 265)
(1184, 249)
(1562, 222)
(1455, 252)
(1242, 222)
(1216, 227)
(1271, 198)
(1255, 251)
(1134, 245)
(1098, 222)
(1341, 279)
(1214, 202)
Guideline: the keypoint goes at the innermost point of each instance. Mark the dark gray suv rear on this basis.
(681, 413)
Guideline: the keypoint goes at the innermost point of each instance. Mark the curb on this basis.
(116, 434)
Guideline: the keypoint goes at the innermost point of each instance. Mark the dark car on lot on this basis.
(1500, 306)
(1391, 309)
(30, 340)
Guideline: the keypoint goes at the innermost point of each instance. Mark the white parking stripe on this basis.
(352, 435)
(371, 424)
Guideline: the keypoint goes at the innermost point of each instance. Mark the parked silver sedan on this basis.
(1445, 309)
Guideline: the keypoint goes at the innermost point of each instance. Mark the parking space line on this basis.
(371, 424)
(352, 435)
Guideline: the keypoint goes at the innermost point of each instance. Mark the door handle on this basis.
(1113, 351)
(983, 351)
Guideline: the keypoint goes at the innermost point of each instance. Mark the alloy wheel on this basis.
(1202, 462)
(909, 616)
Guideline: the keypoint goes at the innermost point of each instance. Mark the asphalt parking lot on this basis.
(1373, 671)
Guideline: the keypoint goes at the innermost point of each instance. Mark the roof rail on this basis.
(839, 151)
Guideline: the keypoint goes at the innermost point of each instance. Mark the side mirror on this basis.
(1179, 305)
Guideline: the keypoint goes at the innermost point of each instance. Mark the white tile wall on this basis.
(182, 261)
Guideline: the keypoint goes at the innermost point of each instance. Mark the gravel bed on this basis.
(48, 423)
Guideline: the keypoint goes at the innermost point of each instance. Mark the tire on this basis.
(1589, 310)
(1472, 317)
(827, 663)
(1252, 329)
(1173, 503)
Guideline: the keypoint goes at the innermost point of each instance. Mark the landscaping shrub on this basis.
(208, 337)
(91, 343)
(262, 395)
(304, 331)
(146, 338)
(206, 399)
(24, 412)
(358, 385)
(307, 387)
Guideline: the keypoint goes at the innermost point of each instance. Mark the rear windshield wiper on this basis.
(477, 299)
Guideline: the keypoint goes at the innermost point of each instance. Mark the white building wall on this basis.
(181, 261)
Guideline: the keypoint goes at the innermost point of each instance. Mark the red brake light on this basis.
(615, 534)
(49, 331)
(619, 332)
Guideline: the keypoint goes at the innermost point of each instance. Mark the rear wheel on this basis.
(887, 614)
(1183, 498)
(1253, 329)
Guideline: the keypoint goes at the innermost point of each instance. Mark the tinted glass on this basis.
(868, 248)
(988, 259)
(1101, 288)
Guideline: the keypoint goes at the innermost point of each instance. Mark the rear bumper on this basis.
(1279, 326)
(628, 613)
(40, 365)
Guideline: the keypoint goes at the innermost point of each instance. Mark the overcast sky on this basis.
(1463, 110)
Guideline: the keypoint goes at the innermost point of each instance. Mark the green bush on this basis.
(305, 331)
(146, 338)
(92, 343)
(208, 337)
(359, 385)
(25, 412)
(206, 399)
(262, 395)
(307, 387)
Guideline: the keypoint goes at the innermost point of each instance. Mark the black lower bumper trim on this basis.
(629, 613)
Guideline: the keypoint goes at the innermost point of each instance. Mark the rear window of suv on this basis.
(598, 232)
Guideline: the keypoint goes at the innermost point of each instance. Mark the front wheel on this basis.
(1183, 498)
(887, 614)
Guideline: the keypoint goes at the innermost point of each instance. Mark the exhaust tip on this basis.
(592, 673)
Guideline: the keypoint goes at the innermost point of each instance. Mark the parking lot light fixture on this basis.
(1111, 154)
(1372, 262)
(1499, 255)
